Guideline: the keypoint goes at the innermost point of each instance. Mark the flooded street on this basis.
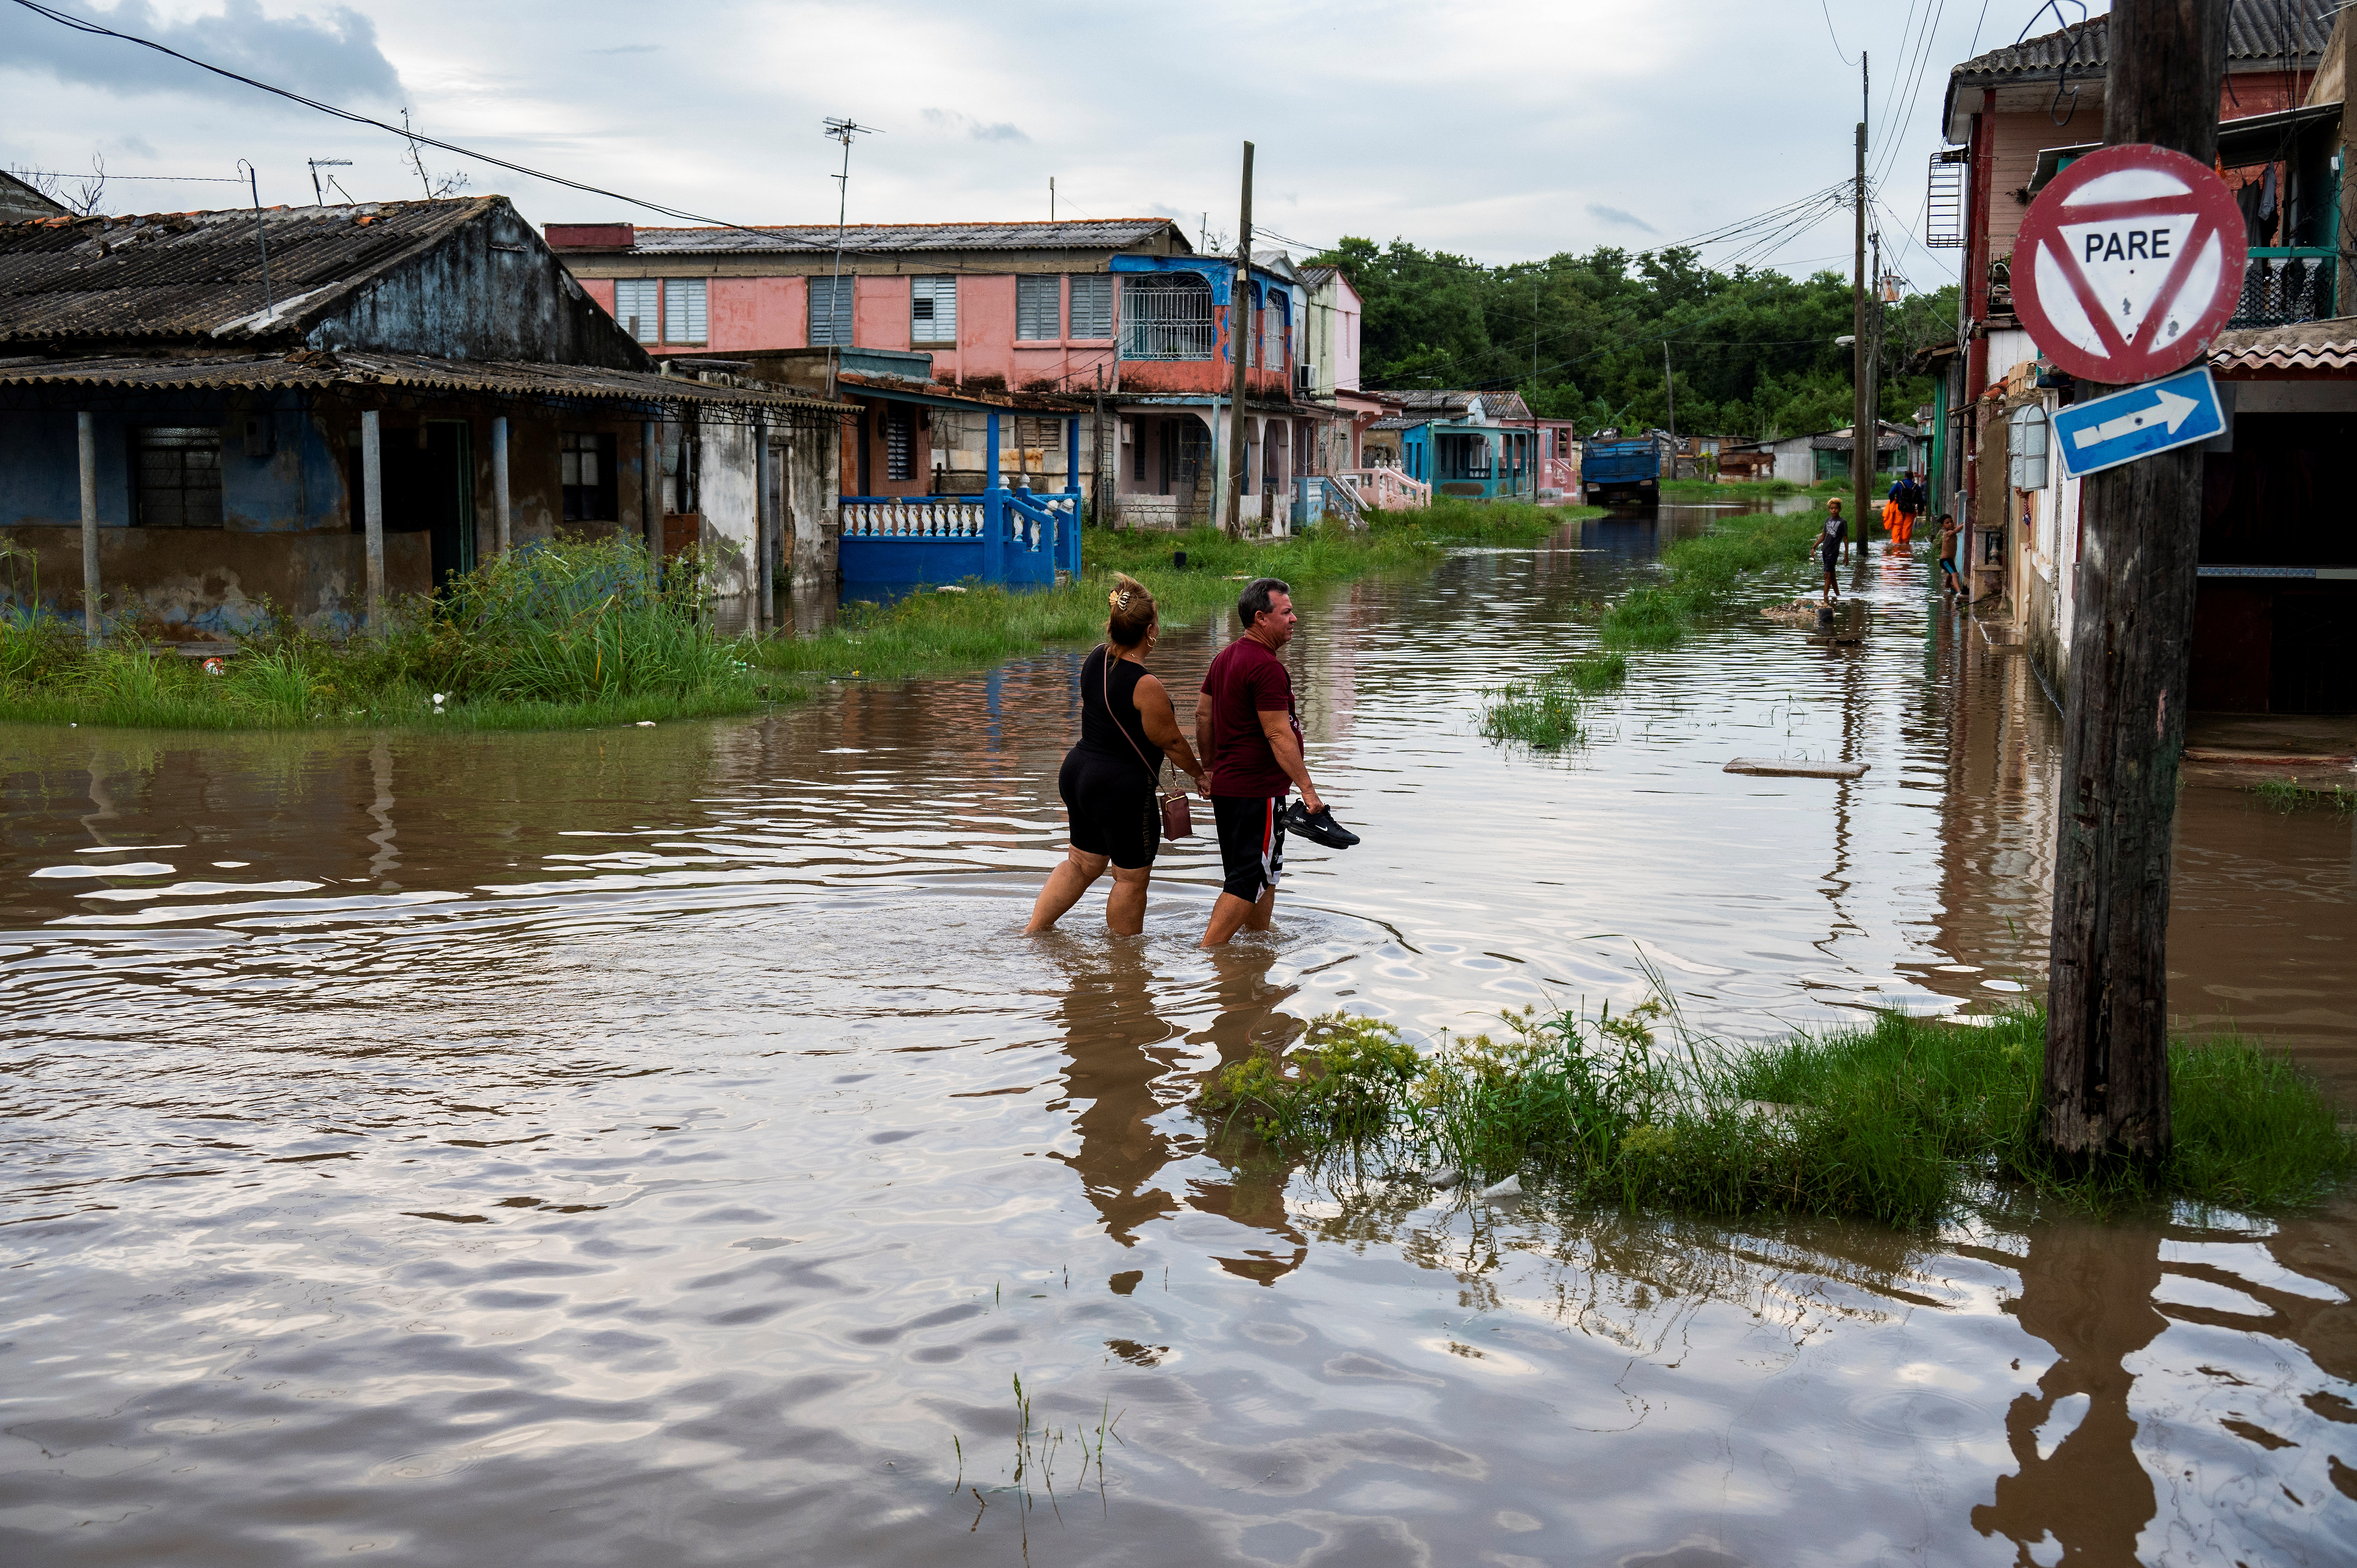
(661, 1145)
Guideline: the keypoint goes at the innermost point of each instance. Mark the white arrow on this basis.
(2171, 408)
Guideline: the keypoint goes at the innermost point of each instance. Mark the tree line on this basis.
(1581, 337)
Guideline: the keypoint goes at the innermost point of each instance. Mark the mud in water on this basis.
(661, 1145)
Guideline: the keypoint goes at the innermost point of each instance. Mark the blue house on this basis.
(1481, 445)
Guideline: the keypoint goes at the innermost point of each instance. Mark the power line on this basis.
(79, 25)
(1831, 34)
(110, 176)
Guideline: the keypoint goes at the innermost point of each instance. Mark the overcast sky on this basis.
(1503, 132)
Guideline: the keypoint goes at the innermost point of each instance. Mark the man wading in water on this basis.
(1249, 739)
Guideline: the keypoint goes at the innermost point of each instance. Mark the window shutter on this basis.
(683, 310)
(634, 308)
(932, 310)
(829, 312)
(1039, 310)
(1092, 305)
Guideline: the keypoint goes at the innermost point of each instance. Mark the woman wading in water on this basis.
(1110, 780)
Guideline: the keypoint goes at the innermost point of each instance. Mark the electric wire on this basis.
(81, 25)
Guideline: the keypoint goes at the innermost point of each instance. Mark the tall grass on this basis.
(1699, 575)
(570, 632)
(1903, 1122)
(1549, 711)
(2287, 795)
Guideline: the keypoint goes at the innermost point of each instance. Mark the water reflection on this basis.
(653, 1145)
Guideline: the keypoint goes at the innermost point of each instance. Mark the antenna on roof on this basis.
(318, 196)
(841, 131)
(253, 186)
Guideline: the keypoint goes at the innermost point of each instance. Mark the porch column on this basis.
(92, 624)
(650, 475)
(373, 511)
(765, 523)
(993, 507)
(499, 514)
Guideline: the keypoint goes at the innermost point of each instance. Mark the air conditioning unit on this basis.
(1305, 376)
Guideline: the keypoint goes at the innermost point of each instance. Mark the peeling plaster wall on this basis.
(728, 493)
(464, 300)
(199, 583)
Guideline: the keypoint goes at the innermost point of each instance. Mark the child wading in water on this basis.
(1829, 546)
(1950, 582)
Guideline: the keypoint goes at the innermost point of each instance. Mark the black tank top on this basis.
(1103, 728)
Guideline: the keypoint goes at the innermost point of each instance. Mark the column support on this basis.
(372, 512)
(93, 621)
(501, 516)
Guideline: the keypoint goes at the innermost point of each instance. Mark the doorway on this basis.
(429, 488)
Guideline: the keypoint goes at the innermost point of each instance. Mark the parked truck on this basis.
(1615, 472)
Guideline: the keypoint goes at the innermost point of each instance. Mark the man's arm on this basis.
(1277, 724)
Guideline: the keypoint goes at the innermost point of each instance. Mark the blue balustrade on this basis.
(1013, 537)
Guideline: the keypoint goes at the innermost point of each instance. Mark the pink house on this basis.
(1124, 307)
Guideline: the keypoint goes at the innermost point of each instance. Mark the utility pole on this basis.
(2107, 1081)
(838, 319)
(1670, 387)
(1862, 429)
(1240, 324)
(1105, 482)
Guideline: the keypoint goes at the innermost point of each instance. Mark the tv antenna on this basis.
(318, 196)
(842, 130)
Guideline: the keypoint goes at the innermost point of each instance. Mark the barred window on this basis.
(2026, 443)
(899, 446)
(178, 475)
(1039, 308)
(1166, 316)
(829, 312)
(932, 310)
(683, 310)
(1092, 307)
(634, 308)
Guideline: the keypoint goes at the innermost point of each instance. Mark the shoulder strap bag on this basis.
(1178, 821)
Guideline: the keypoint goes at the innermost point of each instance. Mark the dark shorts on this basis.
(1251, 843)
(1112, 807)
(1828, 553)
(1948, 566)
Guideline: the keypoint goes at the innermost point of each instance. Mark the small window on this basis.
(2026, 447)
(932, 310)
(1039, 308)
(634, 308)
(1039, 434)
(899, 443)
(829, 312)
(1137, 451)
(585, 470)
(1093, 306)
(177, 470)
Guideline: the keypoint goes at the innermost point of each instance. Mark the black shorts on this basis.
(1113, 808)
(1251, 843)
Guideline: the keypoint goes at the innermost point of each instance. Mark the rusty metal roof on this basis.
(199, 275)
(885, 239)
(350, 372)
(2306, 348)
(2286, 34)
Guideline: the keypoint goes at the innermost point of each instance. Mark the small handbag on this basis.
(1178, 820)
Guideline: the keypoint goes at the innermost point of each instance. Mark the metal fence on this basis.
(2283, 285)
(1166, 316)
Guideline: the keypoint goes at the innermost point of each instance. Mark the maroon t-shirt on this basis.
(1246, 680)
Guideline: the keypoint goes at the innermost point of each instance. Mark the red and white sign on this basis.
(2128, 263)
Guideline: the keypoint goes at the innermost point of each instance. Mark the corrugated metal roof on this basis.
(346, 370)
(2306, 346)
(2258, 33)
(885, 239)
(199, 275)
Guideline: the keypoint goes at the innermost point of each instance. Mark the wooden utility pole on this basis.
(1240, 325)
(2106, 1089)
(1862, 429)
(2341, 53)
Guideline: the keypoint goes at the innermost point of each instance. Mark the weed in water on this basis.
(1898, 1123)
(2288, 795)
(1545, 713)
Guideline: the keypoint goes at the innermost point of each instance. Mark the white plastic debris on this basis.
(1510, 1187)
(441, 696)
(1442, 1177)
(646, 724)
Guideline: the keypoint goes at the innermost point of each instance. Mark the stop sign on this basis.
(2128, 263)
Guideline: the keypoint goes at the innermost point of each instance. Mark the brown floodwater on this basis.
(662, 1146)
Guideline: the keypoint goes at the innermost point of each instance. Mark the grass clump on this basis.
(1699, 575)
(2288, 795)
(568, 633)
(1902, 1122)
(1548, 714)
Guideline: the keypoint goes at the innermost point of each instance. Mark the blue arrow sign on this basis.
(2175, 411)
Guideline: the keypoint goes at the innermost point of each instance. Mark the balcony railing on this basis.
(2287, 283)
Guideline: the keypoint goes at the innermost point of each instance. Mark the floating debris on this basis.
(1442, 1176)
(1510, 1187)
(1782, 767)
